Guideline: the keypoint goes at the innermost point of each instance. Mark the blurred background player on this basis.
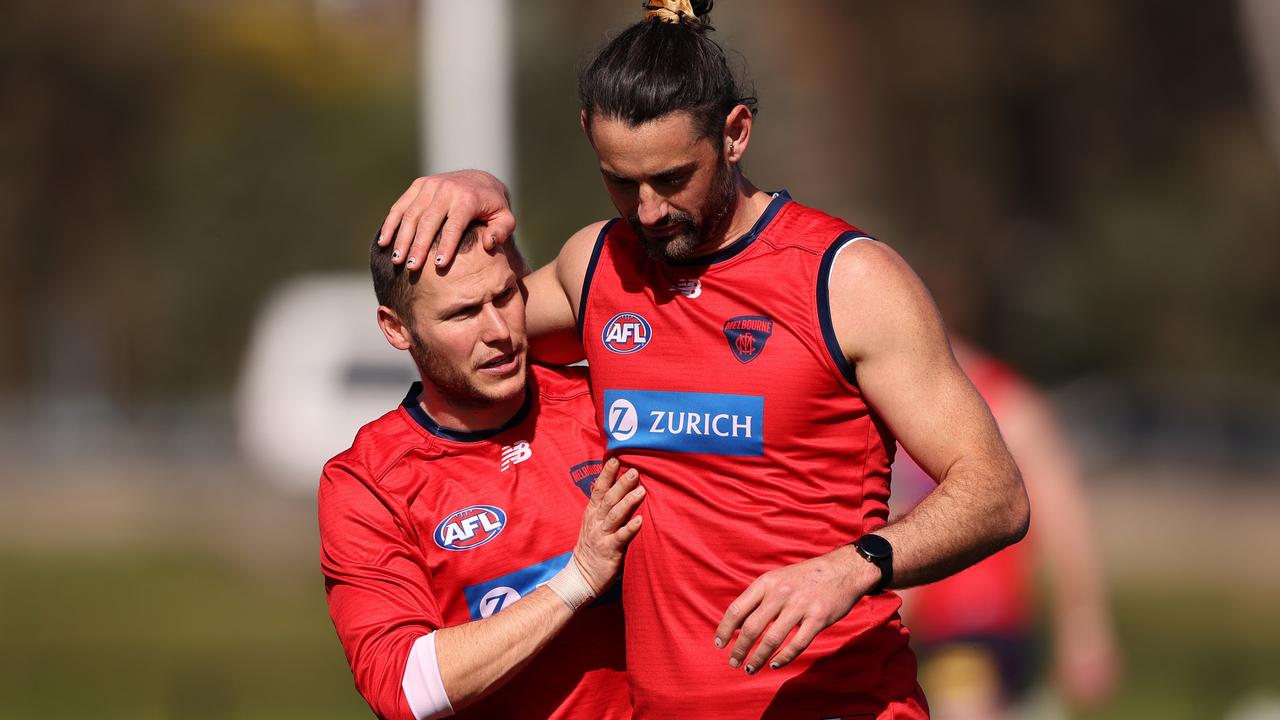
(976, 631)
(443, 522)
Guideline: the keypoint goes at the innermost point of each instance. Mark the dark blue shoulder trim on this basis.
(780, 198)
(591, 271)
(824, 305)
(411, 405)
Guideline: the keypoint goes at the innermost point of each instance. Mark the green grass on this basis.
(169, 633)
(157, 634)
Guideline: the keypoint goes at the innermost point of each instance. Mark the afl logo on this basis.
(626, 333)
(623, 420)
(470, 527)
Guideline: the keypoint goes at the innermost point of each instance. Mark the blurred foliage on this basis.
(1085, 186)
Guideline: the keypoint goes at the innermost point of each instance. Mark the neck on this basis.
(468, 416)
(749, 205)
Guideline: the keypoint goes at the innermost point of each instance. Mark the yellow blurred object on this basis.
(962, 682)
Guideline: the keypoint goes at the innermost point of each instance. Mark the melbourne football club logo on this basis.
(747, 335)
(623, 421)
(470, 527)
(584, 474)
(626, 333)
(515, 453)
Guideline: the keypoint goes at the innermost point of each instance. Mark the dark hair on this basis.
(655, 68)
(393, 284)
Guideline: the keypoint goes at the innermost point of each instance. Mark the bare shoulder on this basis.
(575, 257)
(877, 300)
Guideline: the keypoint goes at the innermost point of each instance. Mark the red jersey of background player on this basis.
(423, 528)
(722, 382)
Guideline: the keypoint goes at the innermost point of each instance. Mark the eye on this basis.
(619, 182)
(505, 296)
(464, 313)
(673, 181)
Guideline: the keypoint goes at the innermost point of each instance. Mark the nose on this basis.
(494, 328)
(653, 206)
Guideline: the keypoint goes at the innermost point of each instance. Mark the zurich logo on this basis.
(470, 527)
(626, 333)
(684, 422)
(623, 420)
(747, 335)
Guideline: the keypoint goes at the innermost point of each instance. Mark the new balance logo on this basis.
(690, 288)
(515, 454)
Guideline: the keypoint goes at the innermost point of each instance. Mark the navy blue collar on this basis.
(780, 198)
(421, 417)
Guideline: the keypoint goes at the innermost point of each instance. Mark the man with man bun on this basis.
(755, 359)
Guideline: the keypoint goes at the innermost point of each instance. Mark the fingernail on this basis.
(640, 490)
(751, 670)
(733, 662)
(379, 236)
(719, 643)
(439, 259)
(411, 261)
(773, 666)
(395, 254)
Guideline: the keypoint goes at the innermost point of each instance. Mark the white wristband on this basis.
(572, 588)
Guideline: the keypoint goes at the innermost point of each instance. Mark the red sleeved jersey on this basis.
(721, 380)
(423, 528)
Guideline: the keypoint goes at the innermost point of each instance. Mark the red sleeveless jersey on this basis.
(722, 382)
(422, 528)
(995, 596)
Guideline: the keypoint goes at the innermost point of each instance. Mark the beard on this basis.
(695, 232)
(453, 383)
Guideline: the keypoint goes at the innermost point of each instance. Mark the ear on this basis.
(586, 127)
(393, 328)
(737, 133)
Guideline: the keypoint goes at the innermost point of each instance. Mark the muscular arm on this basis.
(382, 601)
(890, 331)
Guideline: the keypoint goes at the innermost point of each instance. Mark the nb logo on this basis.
(623, 420)
(690, 288)
(515, 453)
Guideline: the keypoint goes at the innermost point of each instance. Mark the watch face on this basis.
(875, 546)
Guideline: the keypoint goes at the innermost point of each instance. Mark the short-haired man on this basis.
(755, 359)
(468, 498)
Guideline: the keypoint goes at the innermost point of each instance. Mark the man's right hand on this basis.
(446, 204)
(606, 529)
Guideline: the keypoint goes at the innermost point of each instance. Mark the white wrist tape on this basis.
(571, 586)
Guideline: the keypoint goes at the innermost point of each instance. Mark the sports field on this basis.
(204, 601)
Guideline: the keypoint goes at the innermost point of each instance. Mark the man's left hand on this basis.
(810, 595)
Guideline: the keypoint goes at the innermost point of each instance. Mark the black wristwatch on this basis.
(877, 551)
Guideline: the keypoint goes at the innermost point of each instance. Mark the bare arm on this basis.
(381, 601)
(890, 331)
(477, 657)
